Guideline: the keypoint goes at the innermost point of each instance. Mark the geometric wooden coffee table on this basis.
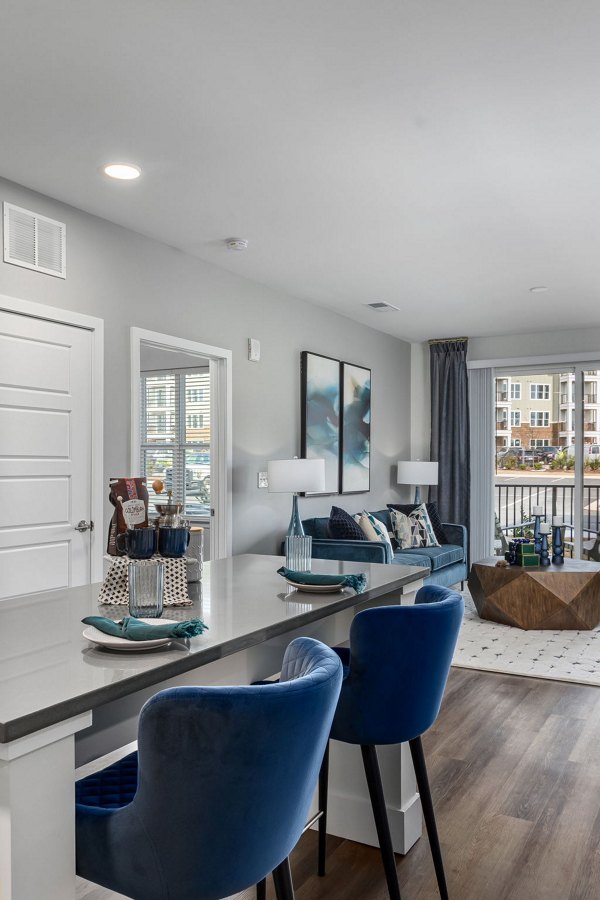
(551, 597)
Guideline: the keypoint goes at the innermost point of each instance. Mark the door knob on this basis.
(82, 525)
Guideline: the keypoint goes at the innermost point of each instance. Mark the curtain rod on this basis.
(445, 340)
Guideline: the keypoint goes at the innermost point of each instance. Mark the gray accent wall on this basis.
(130, 280)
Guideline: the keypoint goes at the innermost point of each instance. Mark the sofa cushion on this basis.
(317, 527)
(342, 526)
(440, 557)
(411, 558)
(432, 512)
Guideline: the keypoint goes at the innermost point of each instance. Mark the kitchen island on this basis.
(64, 702)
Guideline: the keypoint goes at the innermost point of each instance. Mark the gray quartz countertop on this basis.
(49, 671)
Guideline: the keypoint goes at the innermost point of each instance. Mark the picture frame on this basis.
(355, 432)
(320, 415)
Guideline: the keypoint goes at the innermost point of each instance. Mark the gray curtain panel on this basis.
(450, 435)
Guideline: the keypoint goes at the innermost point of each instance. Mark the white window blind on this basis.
(175, 437)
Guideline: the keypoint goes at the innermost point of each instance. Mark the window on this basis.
(515, 418)
(175, 436)
(539, 419)
(539, 391)
(539, 442)
(515, 390)
(515, 442)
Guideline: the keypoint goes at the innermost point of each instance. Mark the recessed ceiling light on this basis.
(121, 171)
(539, 289)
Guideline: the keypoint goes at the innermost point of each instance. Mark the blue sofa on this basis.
(447, 564)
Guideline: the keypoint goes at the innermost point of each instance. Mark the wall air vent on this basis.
(381, 306)
(34, 241)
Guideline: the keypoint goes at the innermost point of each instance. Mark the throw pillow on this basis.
(362, 519)
(434, 517)
(380, 529)
(402, 529)
(414, 530)
(342, 526)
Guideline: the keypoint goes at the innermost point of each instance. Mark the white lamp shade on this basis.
(294, 476)
(417, 472)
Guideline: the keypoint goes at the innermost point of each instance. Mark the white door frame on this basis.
(96, 327)
(220, 361)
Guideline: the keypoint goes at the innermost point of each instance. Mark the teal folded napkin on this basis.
(357, 582)
(134, 630)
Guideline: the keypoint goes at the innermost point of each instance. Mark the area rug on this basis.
(562, 655)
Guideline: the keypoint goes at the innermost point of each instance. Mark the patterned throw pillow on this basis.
(380, 529)
(342, 526)
(432, 512)
(414, 530)
(362, 520)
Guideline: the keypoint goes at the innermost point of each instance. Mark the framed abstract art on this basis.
(320, 420)
(355, 444)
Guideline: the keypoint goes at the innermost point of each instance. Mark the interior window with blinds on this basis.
(175, 437)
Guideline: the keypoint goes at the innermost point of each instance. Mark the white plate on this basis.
(109, 642)
(317, 588)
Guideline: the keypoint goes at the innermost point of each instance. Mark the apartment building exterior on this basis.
(535, 411)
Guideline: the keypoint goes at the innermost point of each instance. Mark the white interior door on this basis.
(45, 454)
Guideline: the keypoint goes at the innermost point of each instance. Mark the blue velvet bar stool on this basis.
(395, 672)
(218, 792)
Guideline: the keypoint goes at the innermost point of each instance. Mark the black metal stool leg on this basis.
(261, 890)
(418, 758)
(282, 878)
(323, 786)
(369, 755)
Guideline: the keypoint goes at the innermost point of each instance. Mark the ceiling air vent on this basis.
(381, 305)
(34, 241)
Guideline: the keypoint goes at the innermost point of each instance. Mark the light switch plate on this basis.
(253, 350)
(263, 479)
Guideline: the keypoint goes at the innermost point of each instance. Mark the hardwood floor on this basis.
(515, 776)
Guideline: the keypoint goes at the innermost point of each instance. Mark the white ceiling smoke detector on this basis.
(237, 243)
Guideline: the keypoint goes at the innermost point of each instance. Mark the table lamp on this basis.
(417, 472)
(295, 476)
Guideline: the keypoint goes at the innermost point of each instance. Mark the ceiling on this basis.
(443, 157)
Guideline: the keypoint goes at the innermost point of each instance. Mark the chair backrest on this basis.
(400, 657)
(226, 775)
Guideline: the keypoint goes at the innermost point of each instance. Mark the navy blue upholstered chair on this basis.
(218, 793)
(395, 672)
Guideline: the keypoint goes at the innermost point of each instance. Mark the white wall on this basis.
(128, 280)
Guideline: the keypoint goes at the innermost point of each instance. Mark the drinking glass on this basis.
(146, 588)
(298, 551)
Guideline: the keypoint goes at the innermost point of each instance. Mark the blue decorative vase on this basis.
(558, 553)
(544, 555)
(537, 536)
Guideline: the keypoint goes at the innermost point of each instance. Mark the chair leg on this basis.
(369, 755)
(323, 787)
(261, 890)
(282, 879)
(418, 758)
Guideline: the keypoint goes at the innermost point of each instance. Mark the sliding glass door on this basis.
(547, 436)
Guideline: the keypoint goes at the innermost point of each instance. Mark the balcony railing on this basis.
(590, 398)
(501, 396)
(590, 426)
(514, 503)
